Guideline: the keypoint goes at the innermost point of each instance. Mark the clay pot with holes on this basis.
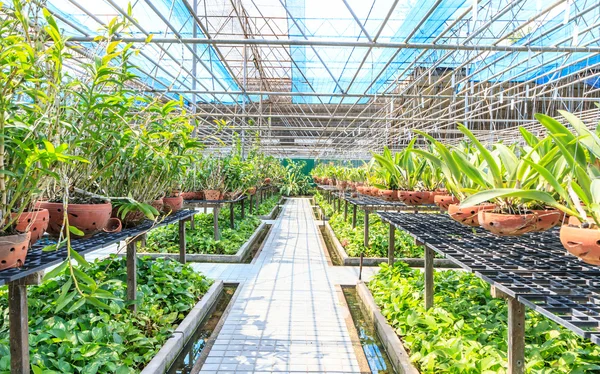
(113, 226)
(468, 215)
(507, 224)
(188, 195)
(444, 201)
(414, 197)
(251, 190)
(388, 195)
(583, 243)
(13, 250)
(547, 219)
(341, 185)
(89, 218)
(35, 222)
(432, 195)
(172, 204)
(158, 204)
(212, 195)
(267, 181)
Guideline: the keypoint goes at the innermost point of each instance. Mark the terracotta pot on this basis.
(353, 186)
(35, 222)
(89, 218)
(212, 195)
(188, 195)
(432, 195)
(583, 243)
(354, 194)
(172, 204)
(199, 195)
(251, 190)
(342, 185)
(158, 204)
(547, 219)
(507, 224)
(13, 250)
(468, 215)
(374, 191)
(443, 201)
(114, 225)
(414, 197)
(267, 181)
(387, 194)
(325, 180)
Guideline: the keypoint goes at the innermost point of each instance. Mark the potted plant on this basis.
(214, 180)
(27, 158)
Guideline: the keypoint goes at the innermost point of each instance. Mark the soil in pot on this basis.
(468, 215)
(583, 243)
(172, 204)
(35, 222)
(505, 224)
(89, 218)
(212, 195)
(444, 201)
(414, 197)
(13, 250)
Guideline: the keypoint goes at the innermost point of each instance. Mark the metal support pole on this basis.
(132, 274)
(353, 216)
(391, 244)
(182, 245)
(251, 205)
(18, 316)
(429, 255)
(216, 223)
(143, 238)
(366, 228)
(231, 215)
(243, 208)
(360, 264)
(345, 210)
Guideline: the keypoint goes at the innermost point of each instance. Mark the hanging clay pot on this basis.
(212, 195)
(89, 218)
(432, 195)
(35, 222)
(251, 190)
(468, 215)
(414, 197)
(13, 250)
(583, 243)
(444, 201)
(172, 204)
(507, 224)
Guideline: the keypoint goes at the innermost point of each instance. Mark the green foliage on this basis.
(465, 331)
(353, 239)
(80, 337)
(295, 183)
(201, 240)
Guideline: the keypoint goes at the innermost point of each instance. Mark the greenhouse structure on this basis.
(299, 186)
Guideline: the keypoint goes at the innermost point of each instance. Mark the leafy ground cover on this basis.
(201, 240)
(353, 239)
(68, 335)
(466, 331)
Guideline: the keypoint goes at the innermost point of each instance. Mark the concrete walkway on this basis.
(287, 317)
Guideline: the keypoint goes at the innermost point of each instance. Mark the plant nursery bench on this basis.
(533, 270)
(37, 261)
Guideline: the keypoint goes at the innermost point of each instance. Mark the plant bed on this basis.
(186, 329)
(68, 334)
(346, 243)
(390, 341)
(466, 329)
(235, 245)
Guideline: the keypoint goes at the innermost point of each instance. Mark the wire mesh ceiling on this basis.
(339, 78)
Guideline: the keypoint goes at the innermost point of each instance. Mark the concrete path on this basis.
(287, 317)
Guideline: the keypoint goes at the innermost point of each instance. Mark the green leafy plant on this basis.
(295, 182)
(465, 331)
(69, 335)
